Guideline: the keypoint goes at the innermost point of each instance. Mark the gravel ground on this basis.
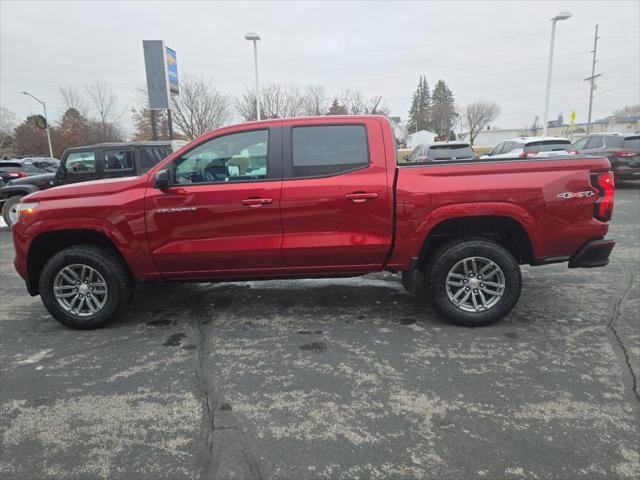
(330, 379)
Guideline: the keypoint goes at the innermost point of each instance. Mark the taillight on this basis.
(574, 151)
(603, 208)
(527, 154)
(21, 174)
(624, 154)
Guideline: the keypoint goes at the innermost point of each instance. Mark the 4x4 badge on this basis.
(587, 194)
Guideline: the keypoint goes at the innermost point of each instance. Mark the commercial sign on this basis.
(161, 67)
(172, 71)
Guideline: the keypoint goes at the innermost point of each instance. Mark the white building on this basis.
(420, 137)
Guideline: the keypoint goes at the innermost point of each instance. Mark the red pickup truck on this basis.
(313, 197)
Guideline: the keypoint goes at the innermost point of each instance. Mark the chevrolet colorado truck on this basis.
(313, 197)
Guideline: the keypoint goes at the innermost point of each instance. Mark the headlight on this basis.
(23, 209)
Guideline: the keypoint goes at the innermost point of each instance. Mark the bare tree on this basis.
(276, 101)
(200, 107)
(357, 104)
(104, 100)
(315, 101)
(72, 98)
(478, 115)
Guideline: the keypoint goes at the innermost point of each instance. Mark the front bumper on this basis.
(594, 253)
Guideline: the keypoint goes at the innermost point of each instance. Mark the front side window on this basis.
(81, 162)
(328, 149)
(115, 160)
(239, 157)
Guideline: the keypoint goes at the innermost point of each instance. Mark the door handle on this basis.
(256, 202)
(360, 197)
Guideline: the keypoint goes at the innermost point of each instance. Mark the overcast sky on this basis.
(495, 51)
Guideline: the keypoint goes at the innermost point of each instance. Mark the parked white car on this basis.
(525, 147)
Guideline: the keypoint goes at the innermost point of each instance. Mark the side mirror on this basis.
(161, 180)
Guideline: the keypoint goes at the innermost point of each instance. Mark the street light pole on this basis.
(254, 37)
(554, 20)
(44, 106)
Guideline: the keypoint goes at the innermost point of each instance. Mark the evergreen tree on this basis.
(337, 109)
(420, 111)
(443, 109)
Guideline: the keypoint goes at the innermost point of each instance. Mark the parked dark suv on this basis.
(14, 168)
(81, 164)
(623, 151)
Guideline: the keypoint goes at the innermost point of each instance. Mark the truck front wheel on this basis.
(85, 287)
(473, 282)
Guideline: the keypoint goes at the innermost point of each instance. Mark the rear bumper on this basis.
(625, 172)
(594, 253)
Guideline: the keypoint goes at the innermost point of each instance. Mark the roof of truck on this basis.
(147, 143)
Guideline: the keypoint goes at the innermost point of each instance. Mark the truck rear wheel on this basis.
(9, 214)
(473, 282)
(85, 287)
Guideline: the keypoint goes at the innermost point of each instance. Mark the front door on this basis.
(336, 201)
(221, 215)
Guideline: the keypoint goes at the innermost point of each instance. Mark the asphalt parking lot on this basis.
(348, 378)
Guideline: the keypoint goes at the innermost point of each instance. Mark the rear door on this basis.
(221, 215)
(336, 208)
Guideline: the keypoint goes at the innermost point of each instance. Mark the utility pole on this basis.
(592, 79)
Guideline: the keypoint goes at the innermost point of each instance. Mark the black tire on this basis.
(6, 206)
(448, 255)
(107, 264)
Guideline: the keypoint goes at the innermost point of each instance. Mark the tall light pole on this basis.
(254, 37)
(554, 20)
(44, 106)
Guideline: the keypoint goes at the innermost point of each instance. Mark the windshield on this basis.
(450, 152)
(632, 143)
(548, 146)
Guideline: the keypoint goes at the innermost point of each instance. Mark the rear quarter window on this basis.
(150, 156)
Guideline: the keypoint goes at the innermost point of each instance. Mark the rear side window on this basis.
(10, 166)
(450, 152)
(595, 142)
(118, 160)
(328, 149)
(615, 142)
(632, 143)
(548, 146)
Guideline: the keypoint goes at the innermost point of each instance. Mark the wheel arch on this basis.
(505, 230)
(48, 243)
